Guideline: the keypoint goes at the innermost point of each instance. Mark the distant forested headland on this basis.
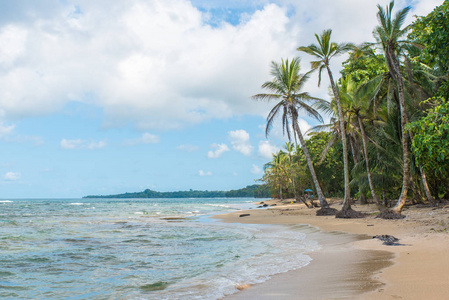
(251, 191)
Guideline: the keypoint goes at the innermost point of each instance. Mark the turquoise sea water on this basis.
(138, 249)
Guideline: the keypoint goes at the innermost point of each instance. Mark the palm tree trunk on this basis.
(323, 201)
(346, 202)
(368, 171)
(394, 69)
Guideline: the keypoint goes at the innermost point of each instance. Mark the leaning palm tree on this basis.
(324, 51)
(388, 35)
(285, 88)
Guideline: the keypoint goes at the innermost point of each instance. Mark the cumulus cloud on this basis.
(219, 150)
(188, 148)
(240, 141)
(266, 149)
(146, 138)
(154, 64)
(256, 170)
(204, 173)
(12, 176)
(81, 144)
(160, 63)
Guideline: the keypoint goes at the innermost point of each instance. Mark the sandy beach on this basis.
(353, 265)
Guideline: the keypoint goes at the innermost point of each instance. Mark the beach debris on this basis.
(388, 240)
(262, 202)
(244, 215)
(273, 204)
(265, 205)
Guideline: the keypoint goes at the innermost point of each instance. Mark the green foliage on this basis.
(430, 144)
(329, 170)
(432, 31)
(255, 190)
(363, 68)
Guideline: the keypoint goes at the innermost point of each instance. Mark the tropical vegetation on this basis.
(386, 136)
(251, 191)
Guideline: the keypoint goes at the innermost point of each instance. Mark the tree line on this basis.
(250, 191)
(388, 135)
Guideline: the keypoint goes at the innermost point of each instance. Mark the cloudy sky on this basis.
(105, 97)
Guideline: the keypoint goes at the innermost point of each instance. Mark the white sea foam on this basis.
(219, 205)
(79, 203)
(6, 201)
(285, 250)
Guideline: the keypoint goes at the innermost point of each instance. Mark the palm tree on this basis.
(357, 101)
(286, 88)
(324, 52)
(388, 35)
(275, 173)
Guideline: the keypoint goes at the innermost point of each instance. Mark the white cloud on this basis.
(6, 130)
(96, 145)
(422, 8)
(188, 148)
(240, 141)
(13, 45)
(146, 138)
(81, 144)
(154, 64)
(304, 127)
(158, 63)
(71, 144)
(204, 173)
(256, 170)
(266, 149)
(219, 150)
(12, 176)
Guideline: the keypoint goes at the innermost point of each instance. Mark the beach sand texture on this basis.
(354, 265)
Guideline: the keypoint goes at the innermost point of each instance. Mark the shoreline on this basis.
(415, 269)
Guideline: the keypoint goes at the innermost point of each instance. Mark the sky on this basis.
(105, 97)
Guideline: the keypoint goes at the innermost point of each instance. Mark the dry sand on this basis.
(355, 266)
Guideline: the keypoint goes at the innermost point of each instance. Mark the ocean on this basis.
(139, 249)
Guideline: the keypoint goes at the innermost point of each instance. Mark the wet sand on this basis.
(352, 265)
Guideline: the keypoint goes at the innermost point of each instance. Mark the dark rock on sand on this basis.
(387, 239)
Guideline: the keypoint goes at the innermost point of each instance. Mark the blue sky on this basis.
(105, 97)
